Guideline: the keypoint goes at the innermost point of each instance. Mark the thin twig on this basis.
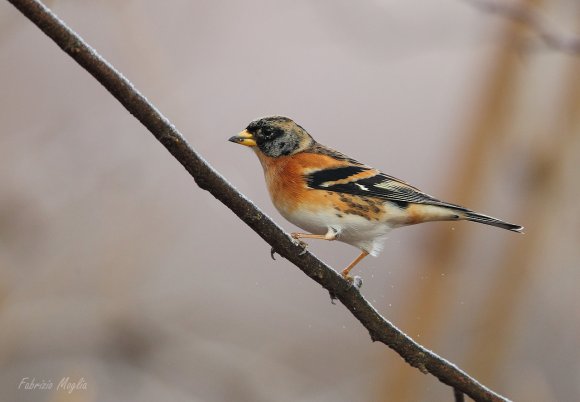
(458, 395)
(207, 178)
(516, 12)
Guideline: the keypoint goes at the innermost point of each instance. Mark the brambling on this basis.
(334, 197)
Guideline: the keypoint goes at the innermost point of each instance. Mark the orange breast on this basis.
(286, 184)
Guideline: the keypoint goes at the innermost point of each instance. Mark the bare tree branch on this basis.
(207, 178)
(516, 12)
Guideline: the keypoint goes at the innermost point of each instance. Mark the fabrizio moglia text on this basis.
(65, 384)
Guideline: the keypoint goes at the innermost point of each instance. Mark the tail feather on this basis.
(488, 220)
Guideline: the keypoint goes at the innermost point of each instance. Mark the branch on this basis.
(208, 179)
(518, 13)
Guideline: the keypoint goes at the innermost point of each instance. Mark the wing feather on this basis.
(364, 181)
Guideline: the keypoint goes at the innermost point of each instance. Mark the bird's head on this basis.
(274, 136)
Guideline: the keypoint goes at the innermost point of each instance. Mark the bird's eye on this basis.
(267, 134)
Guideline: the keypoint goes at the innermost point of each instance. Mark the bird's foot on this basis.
(296, 240)
(355, 281)
(333, 297)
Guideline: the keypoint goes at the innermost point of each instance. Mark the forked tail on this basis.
(488, 220)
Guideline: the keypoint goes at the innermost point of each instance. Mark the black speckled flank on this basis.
(366, 207)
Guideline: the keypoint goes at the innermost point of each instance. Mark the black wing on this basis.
(364, 181)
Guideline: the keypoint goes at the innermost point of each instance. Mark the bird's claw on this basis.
(272, 252)
(332, 297)
(355, 281)
(296, 240)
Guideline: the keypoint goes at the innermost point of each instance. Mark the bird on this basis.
(334, 197)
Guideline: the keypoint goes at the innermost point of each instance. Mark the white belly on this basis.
(351, 229)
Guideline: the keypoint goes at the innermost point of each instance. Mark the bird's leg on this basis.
(330, 235)
(350, 266)
(309, 236)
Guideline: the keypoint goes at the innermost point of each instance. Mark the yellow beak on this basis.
(244, 138)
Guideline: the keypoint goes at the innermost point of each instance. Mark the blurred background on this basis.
(116, 269)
